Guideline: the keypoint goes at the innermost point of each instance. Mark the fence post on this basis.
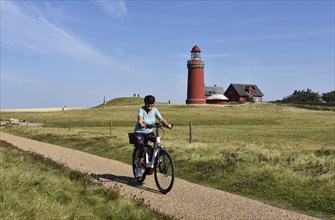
(190, 133)
(110, 127)
(69, 124)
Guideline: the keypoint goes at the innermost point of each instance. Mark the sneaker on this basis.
(138, 172)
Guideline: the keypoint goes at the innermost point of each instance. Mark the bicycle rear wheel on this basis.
(134, 162)
(164, 172)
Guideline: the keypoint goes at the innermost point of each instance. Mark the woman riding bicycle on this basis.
(147, 115)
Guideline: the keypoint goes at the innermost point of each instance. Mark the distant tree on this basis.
(299, 96)
(328, 96)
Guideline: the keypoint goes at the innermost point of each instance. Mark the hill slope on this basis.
(122, 101)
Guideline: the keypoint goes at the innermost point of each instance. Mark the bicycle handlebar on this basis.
(157, 125)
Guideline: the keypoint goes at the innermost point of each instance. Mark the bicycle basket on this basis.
(131, 137)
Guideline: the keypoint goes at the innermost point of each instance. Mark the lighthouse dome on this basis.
(195, 49)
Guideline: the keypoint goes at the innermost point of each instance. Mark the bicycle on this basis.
(157, 161)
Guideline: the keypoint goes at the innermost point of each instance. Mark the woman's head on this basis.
(149, 101)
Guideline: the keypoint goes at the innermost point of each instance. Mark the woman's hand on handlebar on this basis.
(169, 126)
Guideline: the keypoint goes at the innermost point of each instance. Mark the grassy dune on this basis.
(278, 154)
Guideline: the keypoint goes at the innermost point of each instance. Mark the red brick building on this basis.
(244, 93)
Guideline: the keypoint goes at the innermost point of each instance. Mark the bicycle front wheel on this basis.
(164, 172)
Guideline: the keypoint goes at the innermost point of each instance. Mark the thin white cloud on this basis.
(222, 55)
(308, 33)
(114, 8)
(245, 22)
(289, 35)
(10, 78)
(27, 33)
(183, 4)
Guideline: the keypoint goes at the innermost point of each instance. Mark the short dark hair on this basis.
(149, 99)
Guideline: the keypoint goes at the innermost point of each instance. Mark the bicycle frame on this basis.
(156, 149)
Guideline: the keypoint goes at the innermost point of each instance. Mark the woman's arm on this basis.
(140, 122)
(164, 122)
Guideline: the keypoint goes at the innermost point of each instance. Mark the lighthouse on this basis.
(196, 83)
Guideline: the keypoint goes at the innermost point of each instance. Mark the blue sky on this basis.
(73, 53)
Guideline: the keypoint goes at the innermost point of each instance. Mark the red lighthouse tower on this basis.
(196, 84)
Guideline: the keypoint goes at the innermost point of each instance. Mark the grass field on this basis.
(275, 153)
(33, 187)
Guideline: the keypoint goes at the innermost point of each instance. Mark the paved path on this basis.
(185, 201)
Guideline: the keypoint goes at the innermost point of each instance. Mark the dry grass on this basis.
(33, 187)
(274, 153)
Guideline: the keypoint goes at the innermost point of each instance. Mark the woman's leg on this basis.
(140, 142)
